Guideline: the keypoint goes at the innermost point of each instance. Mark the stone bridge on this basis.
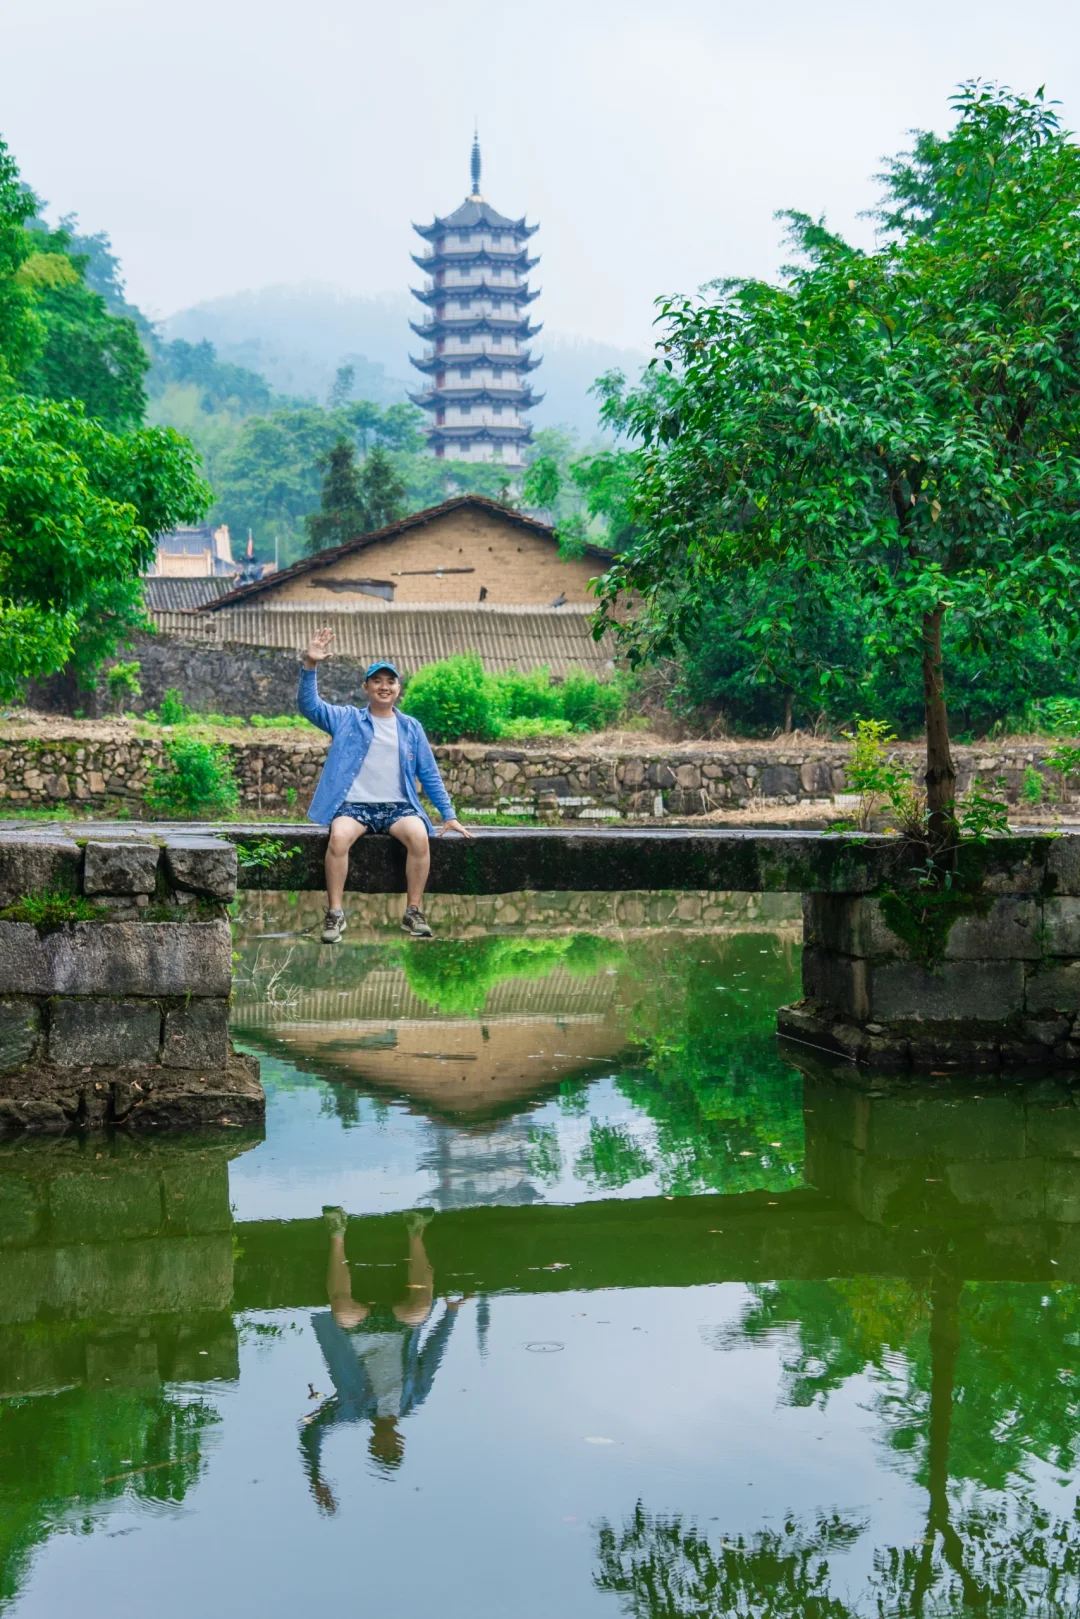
(117, 1012)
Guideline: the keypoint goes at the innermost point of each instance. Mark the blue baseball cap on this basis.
(373, 669)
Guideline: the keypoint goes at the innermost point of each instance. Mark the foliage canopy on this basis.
(896, 431)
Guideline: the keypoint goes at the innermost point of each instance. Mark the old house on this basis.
(465, 552)
(470, 575)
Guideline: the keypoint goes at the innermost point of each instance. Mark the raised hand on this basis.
(318, 648)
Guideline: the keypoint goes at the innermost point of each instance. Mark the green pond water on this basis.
(553, 1288)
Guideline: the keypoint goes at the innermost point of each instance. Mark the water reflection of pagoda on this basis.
(477, 299)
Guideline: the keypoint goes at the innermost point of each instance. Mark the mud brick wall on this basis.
(109, 765)
(122, 1018)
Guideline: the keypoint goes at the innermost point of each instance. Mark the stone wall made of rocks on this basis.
(1000, 987)
(114, 998)
(109, 765)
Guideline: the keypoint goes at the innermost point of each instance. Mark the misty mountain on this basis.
(297, 336)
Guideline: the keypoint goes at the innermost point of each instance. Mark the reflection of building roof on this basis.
(505, 637)
(472, 1068)
(164, 595)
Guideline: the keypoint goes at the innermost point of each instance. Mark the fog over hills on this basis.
(297, 336)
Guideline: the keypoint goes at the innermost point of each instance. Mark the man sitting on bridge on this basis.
(368, 783)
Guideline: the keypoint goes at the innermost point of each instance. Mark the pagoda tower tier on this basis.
(475, 323)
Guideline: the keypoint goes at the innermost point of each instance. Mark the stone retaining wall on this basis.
(101, 766)
(998, 988)
(122, 1018)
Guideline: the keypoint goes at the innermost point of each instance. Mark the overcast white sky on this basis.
(229, 144)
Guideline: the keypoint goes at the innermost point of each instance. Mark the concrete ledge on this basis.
(116, 958)
(512, 859)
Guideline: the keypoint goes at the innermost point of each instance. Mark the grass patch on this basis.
(53, 910)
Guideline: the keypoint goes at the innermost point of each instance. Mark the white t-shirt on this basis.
(379, 779)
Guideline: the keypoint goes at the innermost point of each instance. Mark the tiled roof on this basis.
(505, 637)
(324, 559)
(162, 594)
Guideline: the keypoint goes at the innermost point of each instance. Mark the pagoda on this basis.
(476, 322)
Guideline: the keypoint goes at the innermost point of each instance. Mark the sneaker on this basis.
(333, 926)
(415, 922)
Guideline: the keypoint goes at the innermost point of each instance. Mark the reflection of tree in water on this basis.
(611, 1158)
(1005, 1561)
(63, 1455)
(975, 1383)
(457, 976)
(727, 1110)
(1013, 1368)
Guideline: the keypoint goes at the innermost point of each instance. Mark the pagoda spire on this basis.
(475, 326)
(475, 163)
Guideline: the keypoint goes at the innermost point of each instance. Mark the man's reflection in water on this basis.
(380, 1360)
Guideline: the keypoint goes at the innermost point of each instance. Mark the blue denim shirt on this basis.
(353, 733)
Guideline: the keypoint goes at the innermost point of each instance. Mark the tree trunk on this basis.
(787, 712)
(940, 770)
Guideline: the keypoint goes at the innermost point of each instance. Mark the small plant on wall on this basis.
(197, 778)
(123, 685)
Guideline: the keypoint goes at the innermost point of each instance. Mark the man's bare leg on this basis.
(346, 1311)
(344, 832)
(414, 1310)
(412, 832)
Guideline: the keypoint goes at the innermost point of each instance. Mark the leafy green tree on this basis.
(220, 386)
(341, 388)
(542, 484)
(79, 511)
(80, 505)
(87, 353)
(383, 495)
(342, 514)
(897, 428)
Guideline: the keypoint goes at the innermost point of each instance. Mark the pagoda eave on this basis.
(439, 227)
(449, 260)
(498, 362)
(480, 289)
(466, 435)
(440, 398)
(433, 330)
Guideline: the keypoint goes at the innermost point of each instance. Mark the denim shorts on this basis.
(376, 817)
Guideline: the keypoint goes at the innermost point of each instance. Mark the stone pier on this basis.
(982, 974)
(115, 977)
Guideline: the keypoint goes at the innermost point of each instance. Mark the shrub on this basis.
(456, 698)
(197, 779)
(122, 683)
(529, 697)
(1056, 715)
(173, 710)
(590, 704)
